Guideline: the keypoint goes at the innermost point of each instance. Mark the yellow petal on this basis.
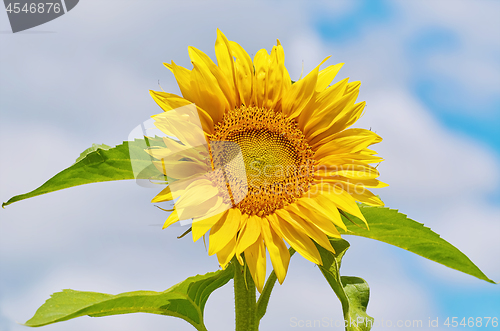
(348, 141)
(372, 183)
(183, 77)
(248, 234)
(353, 170)
(327, 75)
(255, 257)
(346, 158)
(169, 101)
(286, 81)
(173, 146)
(200, 227)
(346, 202)
(261, 63)
(275, 76)
(206, 93)
(164, 195)
(280, 256)
(178, 153)
(223, 231)
(178, 124)
(172, 218)
(225, 255)
(181, 169)
(221, 81)
(341, 122)
(326, 119)
(226, 63)
(368, 198)
(195, 190)
(243, 69)
(202, 210)
(158, 152)
(320, 103)
(329, 208)
(297, 239)
(318, 216)
(300, 223)
(300, 93)
(352, 86)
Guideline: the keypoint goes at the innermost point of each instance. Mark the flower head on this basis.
(259, 162)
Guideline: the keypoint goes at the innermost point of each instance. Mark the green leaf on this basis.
(185, 300)
(94, 147)
(358, 294)
(353, 292)
(392, 227)
(101, 163)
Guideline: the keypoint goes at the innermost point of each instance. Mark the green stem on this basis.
(264, 297)
(266, 292)
(244, 299)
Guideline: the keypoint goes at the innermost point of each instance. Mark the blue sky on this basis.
(450, 101)
(430, 74)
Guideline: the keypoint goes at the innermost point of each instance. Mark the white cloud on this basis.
(474, 64)
(445, 177)
(471, 19)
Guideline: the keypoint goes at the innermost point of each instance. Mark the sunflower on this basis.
(261, 162)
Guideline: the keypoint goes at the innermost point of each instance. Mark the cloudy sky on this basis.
(430, 73)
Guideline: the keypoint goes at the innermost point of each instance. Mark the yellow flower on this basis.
(261, 162)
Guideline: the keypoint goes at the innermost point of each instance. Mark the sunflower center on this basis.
(276, 156)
